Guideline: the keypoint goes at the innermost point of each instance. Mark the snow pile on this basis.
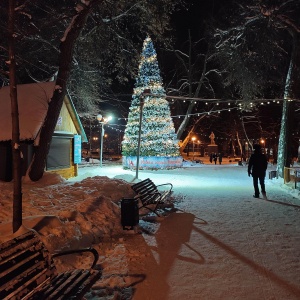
(68, 215)
(288, 187)
(76, 214)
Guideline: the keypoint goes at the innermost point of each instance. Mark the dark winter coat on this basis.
(215, 157)
(220, 158)
(257, 164)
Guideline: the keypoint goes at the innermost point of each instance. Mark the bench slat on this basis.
(25, 263)
(27, 271)
(59, 285)
(80, 279)
(23, 288)
(144, 182)
(144, 188)
(156, 198)
(147, 192)
(69, 285)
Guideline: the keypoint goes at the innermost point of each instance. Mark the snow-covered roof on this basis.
(33, 102)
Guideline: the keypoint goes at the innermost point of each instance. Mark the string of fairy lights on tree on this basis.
(156, 135)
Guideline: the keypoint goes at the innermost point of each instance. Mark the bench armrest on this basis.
(91, 250)
(171, 185)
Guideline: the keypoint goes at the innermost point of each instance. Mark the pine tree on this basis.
(158, 136)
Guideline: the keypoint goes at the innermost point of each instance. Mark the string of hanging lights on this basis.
(218, 101)
(214, 101)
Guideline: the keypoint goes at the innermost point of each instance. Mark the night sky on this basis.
(193, 17)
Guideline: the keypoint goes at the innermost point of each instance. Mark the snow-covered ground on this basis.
(220, 243)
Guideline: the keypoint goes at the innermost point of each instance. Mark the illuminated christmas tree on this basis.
(158, 136)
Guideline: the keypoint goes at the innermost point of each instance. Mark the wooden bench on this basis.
(150, 196)
(27, 271)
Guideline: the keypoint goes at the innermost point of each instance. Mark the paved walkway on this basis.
(222, 243)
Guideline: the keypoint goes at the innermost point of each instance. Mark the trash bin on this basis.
(129, 213)
(272, 174)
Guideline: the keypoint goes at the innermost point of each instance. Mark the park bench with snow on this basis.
(151, 196)
(27, 271)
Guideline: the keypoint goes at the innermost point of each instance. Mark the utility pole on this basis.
(142, 97)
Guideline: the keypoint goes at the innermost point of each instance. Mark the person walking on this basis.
(220, 158)
(215, 157)
(257, 168)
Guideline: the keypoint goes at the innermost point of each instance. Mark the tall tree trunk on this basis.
(191, 106)
(245, 133)
(240, 144)
(182, 144)
(66, 53)
(292, 91)
(17, 193)
(185, 121)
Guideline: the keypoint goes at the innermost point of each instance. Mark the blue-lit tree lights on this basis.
(158, 136)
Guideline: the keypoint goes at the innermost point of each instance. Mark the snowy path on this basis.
(223, 243)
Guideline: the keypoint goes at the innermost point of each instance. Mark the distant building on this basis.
(65, 148)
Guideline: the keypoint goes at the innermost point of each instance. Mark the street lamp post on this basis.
(193, 140)
(263, 145)
(142, 95)
(102, 121)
